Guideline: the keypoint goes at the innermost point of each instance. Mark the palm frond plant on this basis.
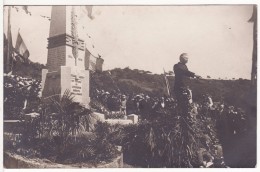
(66, 119)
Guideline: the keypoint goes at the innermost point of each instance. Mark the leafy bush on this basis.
(63, 118)
(59, 133)
(21, 95)
(98, 106)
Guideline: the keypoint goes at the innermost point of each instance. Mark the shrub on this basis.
(98, 106)
(21, 95)
(58, 133)
(171, 139)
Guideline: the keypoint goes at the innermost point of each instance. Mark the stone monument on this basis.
(66, 68)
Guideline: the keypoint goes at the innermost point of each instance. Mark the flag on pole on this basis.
(92, 63)
(89, 10)
(99, 63)
(90, 60)
(114, 83)
(20, 48)
(167, 83)
(25, 8)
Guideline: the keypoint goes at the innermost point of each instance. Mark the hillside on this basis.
(134, 81)
(234, 92)
(129, 81)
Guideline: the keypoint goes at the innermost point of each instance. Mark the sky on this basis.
(218, 38)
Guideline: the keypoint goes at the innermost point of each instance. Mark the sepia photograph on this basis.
(130, 86)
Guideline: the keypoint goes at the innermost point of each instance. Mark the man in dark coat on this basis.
(181, 72)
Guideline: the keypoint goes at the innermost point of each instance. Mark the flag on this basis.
(92, 63)
(167, 83)
(99, 63)
(25, 8)
(89, 10)
(21, 48)
(90, 60)
(254, 15)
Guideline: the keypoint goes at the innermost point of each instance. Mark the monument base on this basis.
(71, 79)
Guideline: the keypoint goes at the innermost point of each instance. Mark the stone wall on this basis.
(116, 163)
(13, 161)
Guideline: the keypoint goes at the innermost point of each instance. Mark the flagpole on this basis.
(8, 38)
(109, 74)
(167, 83)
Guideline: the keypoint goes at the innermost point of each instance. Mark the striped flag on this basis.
(90, 60)
(92, 63)
(20, 48)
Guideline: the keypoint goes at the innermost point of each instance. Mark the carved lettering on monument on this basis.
(76, 85)
(69, 41)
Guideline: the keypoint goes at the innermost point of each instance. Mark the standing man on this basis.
(181, 72)
(123, 103)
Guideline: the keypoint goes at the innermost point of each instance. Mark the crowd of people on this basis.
(229, 119)
(144, 105)
(228, 122)
(139, 104)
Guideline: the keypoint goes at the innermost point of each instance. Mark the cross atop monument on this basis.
(74, 33)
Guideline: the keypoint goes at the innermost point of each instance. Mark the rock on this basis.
(94, 118)
(98, 116)
(133, 117)
(119, 121)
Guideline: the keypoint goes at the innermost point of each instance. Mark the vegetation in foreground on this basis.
(37, 140)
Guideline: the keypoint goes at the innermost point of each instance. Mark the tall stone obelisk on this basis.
(66, 56)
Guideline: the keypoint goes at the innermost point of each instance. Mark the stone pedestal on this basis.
(74, 80)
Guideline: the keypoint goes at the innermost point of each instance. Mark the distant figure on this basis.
(123, 105)
(190, 95)
(210, 102)
(145, 107)
(181, 72)
(130, 106)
